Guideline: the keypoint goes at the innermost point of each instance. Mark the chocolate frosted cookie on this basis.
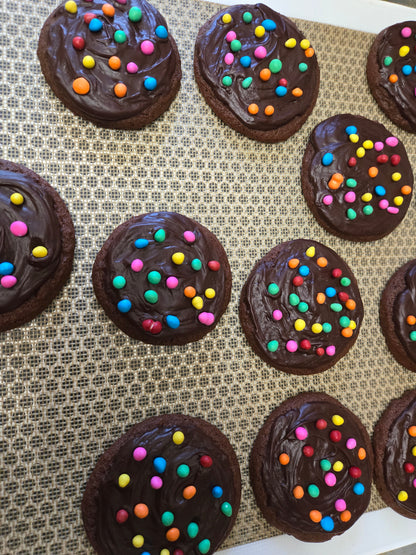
(163, 278)
(300, 307)
(398, 315)
(394, 442)
(114, 64)
(391, 73)
(170, 485)
(37, 242)
(311, 468)
(356, 178)
(256, 71)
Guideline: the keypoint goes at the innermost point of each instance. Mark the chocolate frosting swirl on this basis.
(404, 306)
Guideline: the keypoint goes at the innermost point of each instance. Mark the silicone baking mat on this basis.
(71, 381)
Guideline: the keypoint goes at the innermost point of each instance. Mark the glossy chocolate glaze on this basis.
(404, 306)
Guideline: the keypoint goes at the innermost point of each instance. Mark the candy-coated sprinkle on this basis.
(330, 350)
(139, 454)
(189, 492)
(17, 199)
(259, 31)
(265, 74)
(409, 468)
(335, 436)
(269, 25)
(412, 336)
(167, 518)
(123, 480)
(354, 472)
(344, 321)
(230, 36)
(183, 471)
(81, 86)
(330, 292)
(303, 67)
(383, 204)
(40, 252)
(138, 541)
(253, 109)
(327, 159)
(337, 466)
(406, 190)
(275, 65)
(178, 258)
(95, 25)
(309, 52)
(273, 288)
(303, 307)
(310, 252)
(402, 496)
(327, 524)
(330, 479)
(290, 43)
(122, 516)
(305, 345)
(281, 90)
(18, 229)
(328, 199)
(206, 318)
(292, 346)
(247, 17)
(298, 492)
(297, 92)
(337, 420)
(197, 302)
(172, 282)
(304, 270)
(395, 160)
(227, 81)
(392, 141)
(229, 58)
(373, 171)
(172, 535)
(277, 315)
(8, 281)
(368, 145)
(406, 32)
(362, 453)
(414, 452)
(245, 61)
(120, 90)
(297, 281)
(235, 45)
(154, 277)
(354, 138)
(150, 83)
(294, 299)
(141, 243)
(269, 110)
(178, 438)
(108, 10)
(226, 18)
(217, 492)
(313, 490)
(368, 210)
(326, 327)
(135, 14)
(189, 237)
(325, 465)
(209, 293)
(404, 51)
(88, 62)
(320, 298)
(141, 510)
(147, 47)
(204, 546)
(358, 488)
(272, 346)
(316, 328)
(301, 433)
(396, 176)
(260, 52)
(151, 296)
(393, 78)
(156, 482)
(161, 32)
(6, 268)
(71, 7)
(407, 70)
(321, 424)
(360, 152)
(114, 62)
(196, 264)
(192, 530)
(308, 450)
(336, 307)
(412, 431)
(411, 320)
(293, 263)
(299, 324)
(398, 201)
(119, 282)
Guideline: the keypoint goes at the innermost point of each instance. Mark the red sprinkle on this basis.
(395, 160)
(354, 471)
(335, 436)
(352, 162)
(297, 280)
(122, 516)
(177, 551)
(308, 450)
(283, 82)
(321, 424)
(382, 158)
(409, 467)
(78, 43)
(320, 351)
(305, 345)
(153, 326)
(88, 17)
(336, 273)
(214, 265)
(343, 297)
(205, 461)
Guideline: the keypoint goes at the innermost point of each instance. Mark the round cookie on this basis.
(398, 315)
(170, 485)
(391, 73)
(300, 307)
(356, 178)
(37, 241)
(113, 64)
(394, 442)
(163, 278)
(311, 468)
(257, 71)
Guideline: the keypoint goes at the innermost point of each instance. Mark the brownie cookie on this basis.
(114, 64)
(311, 467)
(391, 73)
(300, 307)
(171, 485)
(163, 278)
(394, 442)
(356, 178)
(398, 315)
(37, 242)
(256, 71)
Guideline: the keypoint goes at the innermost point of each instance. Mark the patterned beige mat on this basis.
(71, 382)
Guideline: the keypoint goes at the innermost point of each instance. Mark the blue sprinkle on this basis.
(161, 32)
(327, 159)
(281, 91)
(172, 321)
(95, 25)
(304, 270)
(150, 83)
(358, 488)
(159, 464)
(380, 191)
(407, 70)
(351, 130)
(245, 61)
(327, 524)
(269, 25)
(330, 292)
(6, 269)
(141, 243)
(217, 492)
(124, 305)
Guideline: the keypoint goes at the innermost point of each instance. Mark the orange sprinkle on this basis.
(120, 90)
(284, 459)
(334, 184)
(172, 534)
(373, 171)
(293, 263)
(345, 516)
(350, 304)
(265, 74)
(412, 431)
(189, 492)
(81, 86)
(393, 78)
(315, 516)
(362, 453)
(406, 190)
(309, 52)
(320, 298)
(253, 109)
(346, 332)
(109, 10)
(297, 92)
(189, 292)
(298, 492)
(322, 262)
(411, 320)
(338, 177)
(114, 62)
(141, 510)
(269, 110)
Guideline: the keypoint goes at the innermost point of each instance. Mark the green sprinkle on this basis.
(119, 282)
(303, 67)
(151, 296)
(196, 264)
(135, 14)
(247, 82)
(344, 321)
(387, 61)
(412, 335)
(226, 509)
(204, 546)
(235, 45)
(154, 277)
(272, 346)
(313, 491)
(193, 530)
(275, 65)
(247, 17)
(167, 518)
(160, 235)
(345, 282)
(351, 182)
(368, 210)
(303, 307)
(325, 465)
(183, 471)
(336, 307)
(327, 328)
(120, 37)
(351, 214)
(294, 299)
(227, 81)
(273, 288)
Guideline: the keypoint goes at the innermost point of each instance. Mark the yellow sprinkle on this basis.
(396, 176)
(367, 197)
(403, 496)
(360, 152)
(352, 325)
(414, 451)
(337, 420)
(305, 44)
(300, 325)
(165, 552)
(226, 18)
(290, 43)
(197, 303)
(178, 438)
(123, 480)
(259, 31)
(316, 328)
(338, 466)
(88, 62)
(138, 541)
(71, 7)
(210, 293)
(178, 258)
(17, 199)
(404, 51)
(354, 138)
(39, 252)
(310, 252)
(398, 201)
(368, 145)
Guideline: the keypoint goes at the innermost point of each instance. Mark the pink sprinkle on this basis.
(132, 67)
(330, 351)
(406, 32)
(229, 58)
(172, 282)
(350, 196)
(340, 505)
(260, 52)
(206, 318)
(379, 146)
(119, 1)
(292, 346)
(392, 141)
(156, 482)
(19, 229)
(147, 47)
(301, 433)
(277, 315)
(230, 36)
(330, 479)
(8, 281)
(136, 265)
(392, 210)
(351, 443)
(328, 200)
(383, 204)
(139, 453)
(189, 236)
(415, 91)
(414, 483)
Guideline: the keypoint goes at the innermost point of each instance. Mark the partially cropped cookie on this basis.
(311, 468)
(171, 485)
(257, 71)
(398, 315)
(356, 178)
(394, 443)
(114, 64)
(37, 242)
(163, 278)
(391, 73)
(300, 307)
